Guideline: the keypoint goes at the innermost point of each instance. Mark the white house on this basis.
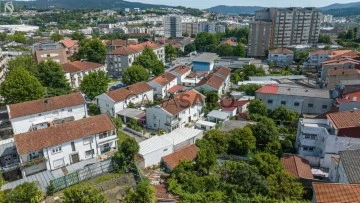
(42, 113)
(65, 144)
(316, 57)
(176, 112)
(281, 57)
(153, 149)
(212, 82)
(319, 140)
(224, 73)
(162, 83)
(75, 71)
(121, 58)
(181, 72)
(117, 100)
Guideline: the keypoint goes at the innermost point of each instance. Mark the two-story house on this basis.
(71, 46)
(212, 82)
(162, 83)
(225, 73)
(317, 57)
(176, 112)
(76, 70)
(281, 57)
(117, 100)
(42, 113)
(119, 59)
(65, 144)
(319, 140)
(181, 72)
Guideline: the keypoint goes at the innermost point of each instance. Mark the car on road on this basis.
(115, 87)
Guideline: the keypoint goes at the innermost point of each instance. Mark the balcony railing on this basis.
(173, 122)
(33, 162)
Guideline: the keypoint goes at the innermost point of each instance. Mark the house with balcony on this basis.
(162, 83)
(9, 160)
(43, 113)
(321, 140)
(65, 144)
(176, 112)
(114, 101)
(76, 70)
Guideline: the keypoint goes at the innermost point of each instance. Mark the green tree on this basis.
(284, 186)
(3, 36)
(186, 34)
(170, 52)
(83, 194)
(92, 50)
(237, 76)
(56, 37)
(225, 50)
(94, 84)
(252, 70)
(284, 115)
(240, 50)
(158, 67)
(241, 141)
(118, 123)
(127, 149)
(211, 101)
(18, 37)
(214, 138)
(149, 52)
(205, 159)
(206, 42)
(265, 131)
(150, 61)
(77, 36)
(256, 106)
(249, 89)
(135, 74)
(26, 192)
(20, 86)
(143, 193)
(26, 62)
(267, 164)
(326, 39)
(52, 76)
(189, 48)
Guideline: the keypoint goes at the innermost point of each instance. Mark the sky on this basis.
(202, 4)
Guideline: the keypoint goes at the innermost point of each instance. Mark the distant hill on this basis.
(234, 9)
(86, 4)
(340, 6)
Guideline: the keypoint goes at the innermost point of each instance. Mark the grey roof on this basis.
(7, 147)
(218, 114)
(350, 82)
(304, 92)
(131, 113)
(233, 124)
(206, 57)
(267, 78)
(351, 162)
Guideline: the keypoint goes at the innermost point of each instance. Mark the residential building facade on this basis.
(259, 38)
(281, 57)
(162, 83)
(172, 26)
(45, 51)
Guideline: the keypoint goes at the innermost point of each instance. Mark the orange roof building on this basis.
(336, 193)
(187, 153)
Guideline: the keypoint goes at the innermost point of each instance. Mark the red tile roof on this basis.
(182, 101)
(281, 51)
(175, 88)
(68, 42)
(77, 66)
(212, 80)
(343, 72)
(181, 70)
(129, 91)
(297, 166)
(323, 115)
(229, 41)
(223, 71)
(336, 193)
(43, 105)
(116, 42)
(226, 103)
(164, 78)
(55, 135)
(132, 49)
(187, 153)
(268, 89)
(345, 119)
(350, 97)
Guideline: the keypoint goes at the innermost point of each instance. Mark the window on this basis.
(283, 102)
(107, 104)
(59, 163)
(296, 104)
(89, 153)
(310, 136)
(69, 110)
(270, 101)
(310, 105)
(324, 106)
(73, 146)
(154, 117)
(154, 125)
(104, 135)
(39, 114)
(56, 149)
(87, 140)
(165, 150)
(307, 148)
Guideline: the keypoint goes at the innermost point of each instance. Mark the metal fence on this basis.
(80, 175)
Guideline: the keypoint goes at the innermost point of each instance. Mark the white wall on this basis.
(161, 91)
(23, 124)
(155, 157)
(76, 78)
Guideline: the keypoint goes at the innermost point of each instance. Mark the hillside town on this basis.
(178, 104)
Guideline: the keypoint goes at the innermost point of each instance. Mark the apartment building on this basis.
(48, 50)
(3, 65)
(71, 46)
(321, 140)
(190, 28)
(259, 38)
(337, 64)
(299, 99)
(195, 28)
(76, 70)
(317, 57)
(114, 101)
(162, 83)
(43, 113)
(172, 26)
(176, 112)
(281, 57)
(335, 76)
(121, 58)
(65, 144)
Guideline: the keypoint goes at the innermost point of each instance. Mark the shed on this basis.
(204, 125)
(217, 116)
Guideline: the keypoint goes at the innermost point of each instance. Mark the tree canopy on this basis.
(83, 194)
(256, 106)
(265, 131)
(150, 61)
(92, 50)
(249, 89)
(26, 62)
(56, 37)
(266, 163)
(170, 52)
(94, 84)
(25, 192)
(135, 74)
(284, 115)
(284, 186)
(143, 193)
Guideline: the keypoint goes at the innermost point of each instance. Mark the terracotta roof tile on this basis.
(350, 97)
(180, 69)
(323, 115)
(176, 88)
(77, 66)
(68, 42)
(345, 119)
(223, 71)
(164, 78)
(116, 42)
(43, 105)
(131, 90)
(336, 193)
(212, 80)
(269, 89)
(182, 101)
(296, 166)
(136, 48)
(39, 139)
(281, 51)
(187, 153)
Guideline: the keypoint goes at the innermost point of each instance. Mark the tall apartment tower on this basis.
(172, 26)
(290, 26)
(259, 38)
